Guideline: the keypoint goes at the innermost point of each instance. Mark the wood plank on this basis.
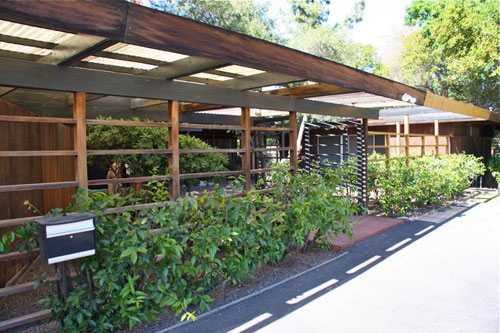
(75, 49)
(28, 119)
(311, 90)
(263, 170)
(185, 66)
(173, 144)
(270, 129)
(442, 103)
(293, 142)
(42, 76)
(129, 180)
(203, 151)
(108, 21)
(210, 174)
(23, 320)
(272, 149)
(36, 186)
(128, 151)
(127, 123)
(24, 153)
(258, 80)
(210, 126)
(18, 255)
(26, 42)
(151, 28)
(246, 160)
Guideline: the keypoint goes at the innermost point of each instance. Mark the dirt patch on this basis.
(294, 262)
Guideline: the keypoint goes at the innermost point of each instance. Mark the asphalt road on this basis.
(415, 277)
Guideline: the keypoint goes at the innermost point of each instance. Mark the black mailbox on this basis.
(65, 238)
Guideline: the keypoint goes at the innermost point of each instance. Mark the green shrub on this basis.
(494, 167)
(200, 241)
(425, 181)
(103, 137)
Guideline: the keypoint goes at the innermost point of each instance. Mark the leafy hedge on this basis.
(425, 181)
(205, 240)
(103, 137)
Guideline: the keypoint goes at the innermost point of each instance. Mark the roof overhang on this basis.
(151, 49)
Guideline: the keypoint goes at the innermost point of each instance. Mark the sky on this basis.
(382, 20)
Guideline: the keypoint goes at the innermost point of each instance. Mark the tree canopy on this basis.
(455, 50)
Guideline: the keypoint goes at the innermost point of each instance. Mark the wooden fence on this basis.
(407, 146)
(79, 153)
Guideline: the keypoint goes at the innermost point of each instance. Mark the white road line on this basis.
(363, 264)
(424, 230)
(251, 323)
(311, 292)
(395, 246)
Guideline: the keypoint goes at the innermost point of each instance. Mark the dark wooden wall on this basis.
(26, 170)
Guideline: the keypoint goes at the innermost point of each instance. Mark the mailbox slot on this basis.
(67, 237)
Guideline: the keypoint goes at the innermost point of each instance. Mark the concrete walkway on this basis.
(416, 277)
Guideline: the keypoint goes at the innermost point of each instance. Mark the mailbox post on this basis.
(65, 238)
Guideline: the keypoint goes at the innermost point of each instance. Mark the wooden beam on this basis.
(445, 104)
(74, 49)
(50, 77)
(173, 145)
(80, 139)
(23, 320)
(293, 142)
(245, 144)
(258, 80)
(26, 42)
(134, 24)
(312, 90)
(436, 127)
(184, 67)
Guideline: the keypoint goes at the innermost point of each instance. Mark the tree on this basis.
(455, 50)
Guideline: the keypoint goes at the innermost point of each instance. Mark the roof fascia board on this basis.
(445, 104)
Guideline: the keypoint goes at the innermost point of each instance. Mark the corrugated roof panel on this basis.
(30, 32)
(211, 76)
(118, 63)
(145, 52)
(240, 70)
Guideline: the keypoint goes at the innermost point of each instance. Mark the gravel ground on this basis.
(293, 263)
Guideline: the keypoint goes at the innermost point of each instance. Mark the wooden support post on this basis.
(423, 145)
(364, 159)
(245, 144)
(436, 133)
(293, 142)
(407, 139)
(387, 151)
(448, 145)
(398, 138)
(173, 144)
(80, 139)
(407, 124)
